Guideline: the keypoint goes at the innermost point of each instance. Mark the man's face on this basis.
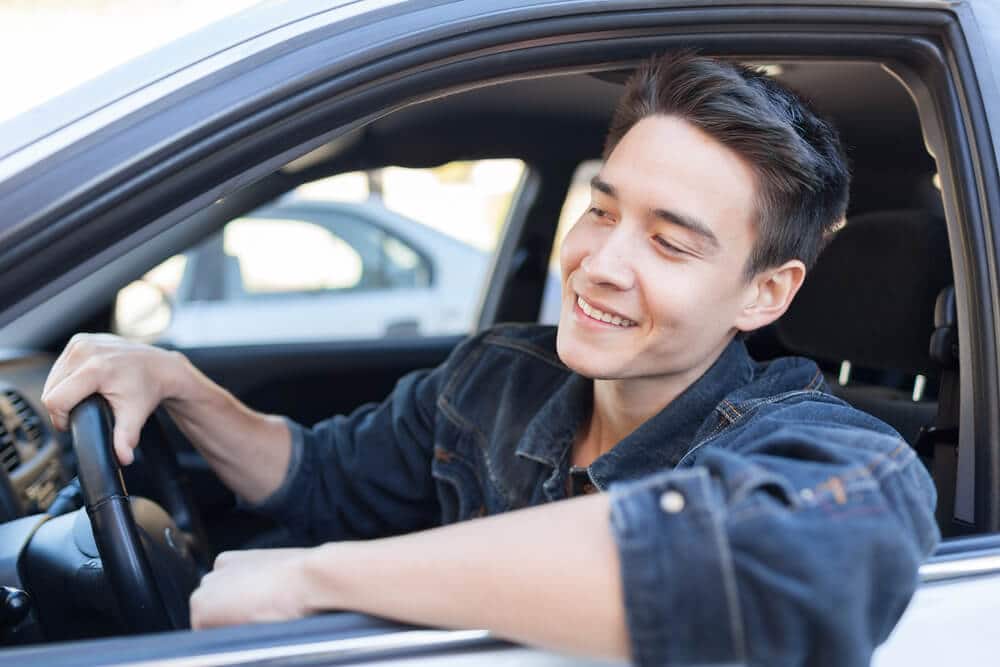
(660, 251)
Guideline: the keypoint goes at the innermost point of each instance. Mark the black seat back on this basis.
(870, 301)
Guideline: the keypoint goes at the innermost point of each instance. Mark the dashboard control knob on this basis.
(14, 606)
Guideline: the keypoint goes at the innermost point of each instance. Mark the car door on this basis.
(961, 582)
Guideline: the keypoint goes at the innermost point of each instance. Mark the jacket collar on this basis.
(658, 443)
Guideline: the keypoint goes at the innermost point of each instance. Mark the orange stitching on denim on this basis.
(730, 412)
(443, 455)
(739, 414)
(836, 487)
(870, 467)
(902, 447)
(836, 484)
(814, 382)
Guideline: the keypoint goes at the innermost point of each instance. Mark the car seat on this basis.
(870, 301)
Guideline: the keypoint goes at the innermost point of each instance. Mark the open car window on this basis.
(358, 256)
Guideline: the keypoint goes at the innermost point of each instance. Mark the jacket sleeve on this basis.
(795, 542)
(366, 474)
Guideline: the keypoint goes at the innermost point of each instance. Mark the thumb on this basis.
(126, 438)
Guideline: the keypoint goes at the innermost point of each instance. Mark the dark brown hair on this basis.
(801, 170)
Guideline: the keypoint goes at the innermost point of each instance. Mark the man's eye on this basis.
(599, 212)
(668, 246)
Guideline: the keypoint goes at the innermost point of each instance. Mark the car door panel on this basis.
(291, 318)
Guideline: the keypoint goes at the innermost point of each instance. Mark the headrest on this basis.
(870, 298)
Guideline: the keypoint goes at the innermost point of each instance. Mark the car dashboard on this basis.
(33, 455)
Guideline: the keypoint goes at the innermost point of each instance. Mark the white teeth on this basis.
(600, 315)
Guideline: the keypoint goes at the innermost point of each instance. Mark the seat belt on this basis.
(939, 442)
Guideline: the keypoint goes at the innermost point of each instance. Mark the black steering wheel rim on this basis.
(116, 533)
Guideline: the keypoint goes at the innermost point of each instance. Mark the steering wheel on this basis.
(150, 569)
(163, 474)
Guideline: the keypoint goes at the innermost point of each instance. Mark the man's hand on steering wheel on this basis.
(133, 378)
(248, 450)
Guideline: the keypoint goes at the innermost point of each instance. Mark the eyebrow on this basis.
(687, 222)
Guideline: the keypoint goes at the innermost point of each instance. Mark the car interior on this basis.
(877, 312)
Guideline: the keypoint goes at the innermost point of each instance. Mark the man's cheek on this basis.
(570, 256)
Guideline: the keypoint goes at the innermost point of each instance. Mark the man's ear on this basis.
(769, 294)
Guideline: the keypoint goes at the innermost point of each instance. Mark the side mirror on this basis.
(142, 311)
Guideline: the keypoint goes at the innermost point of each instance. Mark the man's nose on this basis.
(610, 262)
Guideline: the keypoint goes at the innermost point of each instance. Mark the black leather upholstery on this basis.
(870, 300)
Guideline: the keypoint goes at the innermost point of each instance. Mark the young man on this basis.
(751, 517)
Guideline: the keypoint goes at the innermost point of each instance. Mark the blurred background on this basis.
(51, 46)
(349, 239)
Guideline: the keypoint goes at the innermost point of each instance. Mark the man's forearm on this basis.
(247, 449)
(546, 576)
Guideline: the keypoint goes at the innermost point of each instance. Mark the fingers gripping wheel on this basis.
(115, 531)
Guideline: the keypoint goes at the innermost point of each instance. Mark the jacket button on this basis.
(672, 502)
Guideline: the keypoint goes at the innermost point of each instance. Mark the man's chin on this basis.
(567, 349)
(582, 359)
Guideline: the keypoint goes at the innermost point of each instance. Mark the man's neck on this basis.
(621, 406)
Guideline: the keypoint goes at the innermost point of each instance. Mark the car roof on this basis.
(371, 211)
(236, 39)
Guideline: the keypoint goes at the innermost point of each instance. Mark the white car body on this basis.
(447, 305)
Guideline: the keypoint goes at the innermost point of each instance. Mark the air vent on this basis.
(20, 431)
(9, 457)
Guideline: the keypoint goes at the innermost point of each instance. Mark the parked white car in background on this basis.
(302, 270)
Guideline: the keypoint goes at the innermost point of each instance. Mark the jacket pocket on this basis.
(459, 489)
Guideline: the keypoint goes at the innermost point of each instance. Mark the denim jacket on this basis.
(758, 519)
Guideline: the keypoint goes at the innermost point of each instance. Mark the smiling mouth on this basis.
(601, 316)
